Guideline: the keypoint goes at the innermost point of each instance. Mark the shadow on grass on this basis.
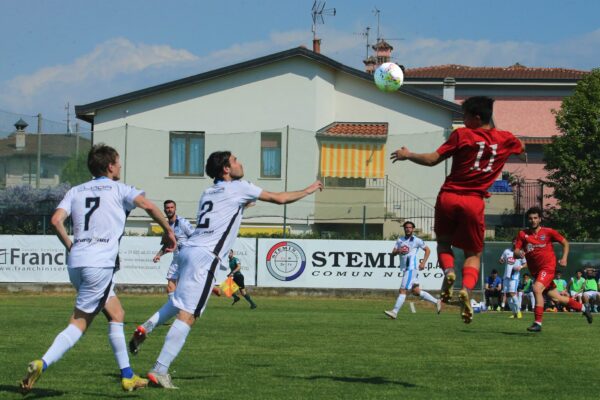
(96, 395)
(517, 333)
(373, 380)
(35, 393)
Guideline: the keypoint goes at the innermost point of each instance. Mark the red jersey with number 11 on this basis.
(478, 156)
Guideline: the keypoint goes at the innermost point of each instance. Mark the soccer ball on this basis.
(389, 77)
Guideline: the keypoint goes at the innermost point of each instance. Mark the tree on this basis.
(26, 210)
(75, 170)
(573, 162)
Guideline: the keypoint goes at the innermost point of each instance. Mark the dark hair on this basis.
(99, 158)
(526, 274)
(168, 202)
(479, 105)
(408, 222)
(534, 210)
(215, 164)
(494, 271)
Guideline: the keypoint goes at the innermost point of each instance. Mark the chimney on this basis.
(20, 134)
(317, 46)
(449, 93)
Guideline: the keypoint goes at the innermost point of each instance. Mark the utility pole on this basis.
(39, 151)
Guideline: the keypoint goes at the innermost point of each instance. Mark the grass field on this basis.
(311, 348)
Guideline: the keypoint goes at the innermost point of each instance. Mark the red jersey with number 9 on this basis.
(478, 156)
(538, 248)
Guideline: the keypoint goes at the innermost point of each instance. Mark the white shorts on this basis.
(173, 272)
(575, 294)
(196, 279)
(94, 287)
(591, 294)
(410, 279)
(510, 285)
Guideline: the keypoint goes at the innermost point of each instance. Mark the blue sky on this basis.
(78, 51)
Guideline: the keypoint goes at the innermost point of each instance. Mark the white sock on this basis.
(166, 312)
(399, 302)
(427, 297)
(116, 337)
(511, 305)
(519, 300)
(63, 342)
(173, 344)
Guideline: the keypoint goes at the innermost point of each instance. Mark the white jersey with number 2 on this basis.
(220, 213)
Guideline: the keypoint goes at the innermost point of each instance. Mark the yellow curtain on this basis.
(352, 160)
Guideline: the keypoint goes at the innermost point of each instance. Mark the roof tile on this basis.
(516, 71)
(355, 129)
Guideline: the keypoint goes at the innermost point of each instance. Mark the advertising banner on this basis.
(344, 264)
(42, 259)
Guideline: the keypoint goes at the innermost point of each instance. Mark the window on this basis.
(186, 154)
(270, 155)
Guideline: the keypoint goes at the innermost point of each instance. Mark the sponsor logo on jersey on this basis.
(286, 261)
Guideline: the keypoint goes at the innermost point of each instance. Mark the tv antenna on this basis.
(318, 10)
(366, 35)
(377, 12)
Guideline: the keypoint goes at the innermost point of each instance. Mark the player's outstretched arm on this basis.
(168, 236)
(290, 197)
(427, 159)
(58, 222)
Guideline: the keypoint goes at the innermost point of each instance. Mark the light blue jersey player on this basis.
(512, 275)
(407, 247)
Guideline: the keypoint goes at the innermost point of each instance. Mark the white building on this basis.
(290, 117)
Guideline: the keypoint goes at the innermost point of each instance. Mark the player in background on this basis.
(535, 243)
(478, 153)
(575, 286)
(235, 267)
(98, 210)
(590, 289)
(408, 246)
(527, 293)
(182, 229)
(512, 274)
(220, 211)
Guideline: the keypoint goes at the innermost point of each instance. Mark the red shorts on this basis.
(546, 277)
(461, 218)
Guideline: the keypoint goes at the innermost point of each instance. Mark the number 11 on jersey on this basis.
(493, 152)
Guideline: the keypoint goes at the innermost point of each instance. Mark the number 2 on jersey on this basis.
(94, 203)
(493, 152)
(205, 208)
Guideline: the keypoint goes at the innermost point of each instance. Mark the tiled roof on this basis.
(535, 140)
(376, 130)
(516, 71)
(53, 145)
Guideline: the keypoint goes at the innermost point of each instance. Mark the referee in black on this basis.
(238, 278)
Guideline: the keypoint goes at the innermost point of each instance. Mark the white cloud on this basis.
(118, 65)
(107, 61)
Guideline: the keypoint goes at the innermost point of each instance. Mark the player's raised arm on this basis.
(427, 159)
(290, 197)
(58, 222)
(565, 253)
(168, 236)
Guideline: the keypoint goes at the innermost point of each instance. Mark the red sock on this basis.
(470, 277)
(574, 305)
(446, 260)
(539, 313)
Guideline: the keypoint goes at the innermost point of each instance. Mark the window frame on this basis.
(187, 135)
(278, 137)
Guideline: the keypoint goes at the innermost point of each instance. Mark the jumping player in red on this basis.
(536, 244)
(478, 154)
